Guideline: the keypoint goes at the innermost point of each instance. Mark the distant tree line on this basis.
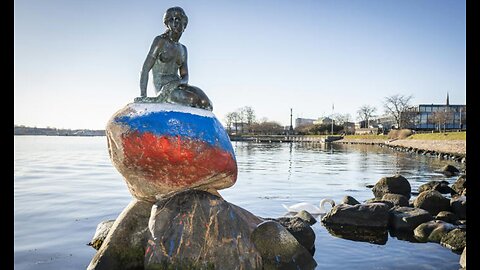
(49, 131)
(397, 108)
(244, 121)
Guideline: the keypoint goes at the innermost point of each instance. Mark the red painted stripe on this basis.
(175, 161)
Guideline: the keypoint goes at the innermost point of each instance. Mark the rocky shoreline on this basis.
(193, 227)
(437, 214)
(443, 149)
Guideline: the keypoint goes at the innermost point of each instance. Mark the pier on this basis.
(285, 138)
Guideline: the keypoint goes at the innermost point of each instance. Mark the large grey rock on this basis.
(307, 217)
(101, 233)
(301, 230)
(456, 240)
(389, 204)
(407, 218)
(449, 170)
(349, 200)
(153, 161)
(458, 205)
(432, 231)
(367, 215)
(124, 246)
(396, 199)
(396, 184)
(447, 216)
(432, 201)
(196, 229)
(440, 186)
(460, 184)
(279, 249)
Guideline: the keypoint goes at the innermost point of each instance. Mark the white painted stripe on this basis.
(147, 108)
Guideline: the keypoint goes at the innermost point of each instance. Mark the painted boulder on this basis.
(161, 148)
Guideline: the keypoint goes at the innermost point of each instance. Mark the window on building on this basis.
(423, 119)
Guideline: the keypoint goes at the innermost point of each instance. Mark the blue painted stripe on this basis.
(170, 249)
(171, 123)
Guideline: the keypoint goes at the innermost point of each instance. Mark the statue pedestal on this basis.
(161, 148)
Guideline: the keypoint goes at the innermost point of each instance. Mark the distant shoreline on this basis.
(34, 131)
(59, 135)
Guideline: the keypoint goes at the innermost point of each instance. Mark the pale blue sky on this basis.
(78, 62)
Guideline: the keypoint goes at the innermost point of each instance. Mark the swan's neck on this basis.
(322, 203)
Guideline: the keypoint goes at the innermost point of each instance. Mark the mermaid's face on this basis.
(174, 22)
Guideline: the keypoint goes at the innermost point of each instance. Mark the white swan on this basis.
(312, 209)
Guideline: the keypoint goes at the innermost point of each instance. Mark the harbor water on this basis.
(65, 186)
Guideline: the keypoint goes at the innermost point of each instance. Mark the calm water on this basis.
(65, 186)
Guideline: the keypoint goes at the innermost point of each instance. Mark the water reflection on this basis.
(290, 161)
(54, 174)
(371, 235)
(404, 235)
(290, 173)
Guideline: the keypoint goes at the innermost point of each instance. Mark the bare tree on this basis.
(248, 115)
(365, 113)
(441, 118)
(342, 120)
(229, 121)
(395, 105)
(237, 118)
(268, 127)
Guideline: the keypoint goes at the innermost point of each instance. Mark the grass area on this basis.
(439, 136)
(367, 136)
(422, 136)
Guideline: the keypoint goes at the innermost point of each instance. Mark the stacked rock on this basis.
(162, 148)
(174, 156)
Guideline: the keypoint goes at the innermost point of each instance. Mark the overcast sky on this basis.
(78, 62)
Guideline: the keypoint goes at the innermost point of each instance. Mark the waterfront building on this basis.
(303, 122)
(323, 121)
(436, 116)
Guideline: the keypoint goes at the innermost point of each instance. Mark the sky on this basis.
(76, 63)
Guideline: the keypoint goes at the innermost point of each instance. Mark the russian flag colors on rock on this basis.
(161, 148)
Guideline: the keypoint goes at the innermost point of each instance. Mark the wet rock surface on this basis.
(449, 170)
(350, 200)
(407, 218)
(456, 240)
(124, 246)
(458, 205)
(396, 184)
(279, 249)
(440, 186)
(307, 217)
(203, 230)
(101, 233)
(460, 184)
(432, 201)
(301, 230)
(432, 231)
(447, 216)
(364, 215)
(396, 199)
